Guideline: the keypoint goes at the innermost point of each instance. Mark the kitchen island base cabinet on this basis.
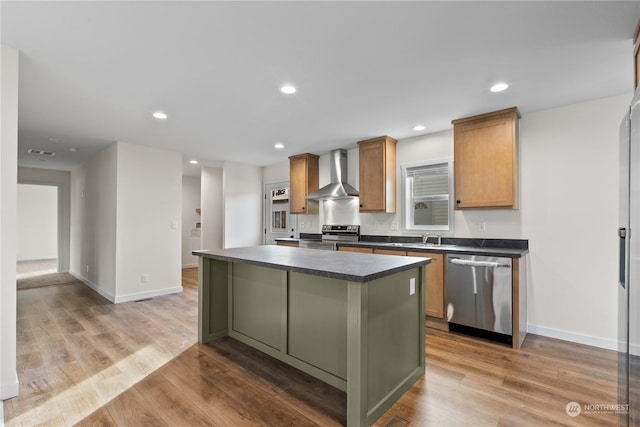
(365, 338)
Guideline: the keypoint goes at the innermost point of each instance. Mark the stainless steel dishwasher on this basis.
(479, 295)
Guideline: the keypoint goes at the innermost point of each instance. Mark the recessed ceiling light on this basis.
(72, 149)
(193, 162)
(278, 145)
(419, 127)
(56, 140)
(499, 87)
(288, 89)
(41, 152)
(159, 115)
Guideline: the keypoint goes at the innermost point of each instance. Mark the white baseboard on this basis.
(605, 343)
(131, 297)
(190, 265)
(7, 391)
(93, 286)
(146, 295)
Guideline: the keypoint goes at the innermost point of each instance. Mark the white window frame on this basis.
(407, 198)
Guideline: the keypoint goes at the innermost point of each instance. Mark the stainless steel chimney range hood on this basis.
(338, 188)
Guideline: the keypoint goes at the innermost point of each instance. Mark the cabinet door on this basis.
(485, 161)
(372, 195)
(354, 249)
(377, 174)
(303, 179)
(389, 252)
(434, 287)
(292, 244)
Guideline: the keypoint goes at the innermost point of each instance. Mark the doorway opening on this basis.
(278, 222)
(37, 230)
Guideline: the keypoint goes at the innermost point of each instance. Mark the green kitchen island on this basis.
(355, 321)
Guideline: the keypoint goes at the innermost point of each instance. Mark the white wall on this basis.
(93, 222)
(126, 222)
(149, 222)
(37, 222)
(61, 179)
(242, 193)
(568, 212)
(570, 215)
(212, 209)
(9, 60)
(276, 172)
(190, 201)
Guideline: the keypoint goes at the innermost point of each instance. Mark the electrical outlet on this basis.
(144, 278)
(174, 224)
(87, 268)
(412, 286)
(482, 227)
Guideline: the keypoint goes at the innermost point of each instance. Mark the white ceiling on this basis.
(91, 73)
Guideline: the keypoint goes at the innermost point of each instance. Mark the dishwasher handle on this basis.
(471, 263)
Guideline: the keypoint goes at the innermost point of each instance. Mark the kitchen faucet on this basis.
(439, 239)
(425, 237)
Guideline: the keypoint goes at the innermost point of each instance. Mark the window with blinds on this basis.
(427, 196)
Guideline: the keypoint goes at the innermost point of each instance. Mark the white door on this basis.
(278, 222)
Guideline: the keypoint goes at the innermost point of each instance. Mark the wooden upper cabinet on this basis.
(378, 175)
(485, 153)
(303, 179)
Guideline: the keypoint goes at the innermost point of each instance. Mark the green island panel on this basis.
(393, 336)
(317, 322)
(257, 303)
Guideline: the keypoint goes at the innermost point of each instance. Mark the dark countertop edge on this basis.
(419, 262)
(484, 246)
(456, 241)
(466, 250)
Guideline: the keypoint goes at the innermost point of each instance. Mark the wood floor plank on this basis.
(190, 378)
(100, 418)
(130, 411)
(170, 404)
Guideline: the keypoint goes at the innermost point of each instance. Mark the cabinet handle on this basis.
(361, 206)
(303, 208)
(458, 201)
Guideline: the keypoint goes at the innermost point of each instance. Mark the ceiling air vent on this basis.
(41, 152)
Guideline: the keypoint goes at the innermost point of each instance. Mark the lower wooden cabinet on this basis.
(434, 292)
(354, 249)
(292, 244)
(389, 252)
(434, 287)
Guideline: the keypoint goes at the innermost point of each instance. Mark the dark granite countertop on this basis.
(354, 267)
(456, 249)
(491, 247)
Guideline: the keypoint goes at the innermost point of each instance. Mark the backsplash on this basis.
(500, 224)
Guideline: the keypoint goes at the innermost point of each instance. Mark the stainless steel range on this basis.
(331, 235)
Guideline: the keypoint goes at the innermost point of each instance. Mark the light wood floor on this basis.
(83, 360)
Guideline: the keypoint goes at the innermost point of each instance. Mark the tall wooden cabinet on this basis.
(485, 151)
(378, 174)
(303, 179)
